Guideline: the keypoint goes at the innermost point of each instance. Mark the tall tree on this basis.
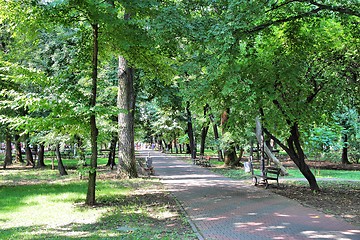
(126, 102)
(8, 149)
(204, 130)
(90, 197)
(61, 167)
(190, 131)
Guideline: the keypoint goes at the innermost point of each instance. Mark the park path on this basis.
(221, 208)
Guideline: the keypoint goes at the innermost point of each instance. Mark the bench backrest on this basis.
(273, 170)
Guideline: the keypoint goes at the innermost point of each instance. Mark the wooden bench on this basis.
(104, 153)
(271, 173)
(203, 161)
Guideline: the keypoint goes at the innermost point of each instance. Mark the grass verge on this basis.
(38, 204)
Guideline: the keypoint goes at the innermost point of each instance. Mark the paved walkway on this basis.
(221, 208)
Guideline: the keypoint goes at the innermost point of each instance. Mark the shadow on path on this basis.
(222, 208)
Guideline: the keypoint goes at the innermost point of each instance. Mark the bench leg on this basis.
(255, 181)
(266, 184)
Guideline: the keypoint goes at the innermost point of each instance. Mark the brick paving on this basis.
(221, 208)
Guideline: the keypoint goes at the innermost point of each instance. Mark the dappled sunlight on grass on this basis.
(30, 175)
(44, 204)
(130, 209)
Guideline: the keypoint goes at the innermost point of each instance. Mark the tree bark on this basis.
(266, 149)
(8, 150)
(126, 103)
(160, 143)
(204, 131)
(175, 144)
(61, 167)
(112, 152)
(229, 151)
(344, 155)
(29, 156)
(90, 196)
(190, 131)
(216, 136)
(40, 162)
(18, 156)
(80, 150)
(296, 153)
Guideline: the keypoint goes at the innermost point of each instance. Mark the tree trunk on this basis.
(61, 167)
(230, 156)
(216, 137)
(344, 156)
(29, 156)
(170, 147)
(204, 132)
(296, 153)
(176, 145)
(261, 145)
(126, 102)
(181, 148)
(160, 143)
(265, 148)
(35, 153)
(190, 131)
(18, 156)
(229, 151)
(90, 196)
(112, 152)
(80, 151)
(40, 162)
(8, 150)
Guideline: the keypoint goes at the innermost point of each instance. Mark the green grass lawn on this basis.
(320, 174)
(39, 204)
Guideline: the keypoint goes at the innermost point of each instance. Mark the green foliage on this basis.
(323, 139)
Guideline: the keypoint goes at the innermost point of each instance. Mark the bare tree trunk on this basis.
(126, 102)
(261, 145)
(61, 167)
(90, 196)
(80, 150)
(190, 131)
(160, 143)
(216, 136)
(266, 149)
(112, 152)
(29, 156)
(176, 144)
(296, 153)
(204, 131)
(230, 151)
(8, 150)
(344, 156)
(18, 156)
(40, 162)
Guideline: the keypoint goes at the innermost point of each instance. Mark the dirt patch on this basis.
(339, 200)
(325, 165)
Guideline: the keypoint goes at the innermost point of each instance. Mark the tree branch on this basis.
(274, 7)
(278, 21)
(276, 140)
(319, 7)
(338, 9)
